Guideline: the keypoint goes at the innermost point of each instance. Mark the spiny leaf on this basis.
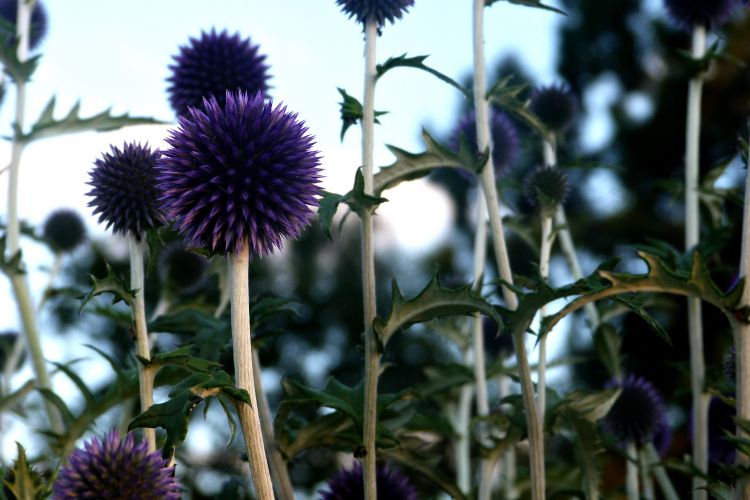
(356, 199)
(506, 95)
(13, 265)
(182, 357)
(414, 165)
(632, 303)
(266, 307)
(432, 302)
(537, 4)
(351, 112)
(417, 62)
(589, 406)
(26, 484)
(47, 126)
(174, 415)
(17, 70)
(111, 283)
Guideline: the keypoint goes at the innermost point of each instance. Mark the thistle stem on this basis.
(742, 341)
(692, 236)
(243, 369)
(19, 283)
(667, 488)
(646, 479)
(534, 424)
(142, 345)
(462, 424)
(631, 478)
(372, 356)
(509, 458)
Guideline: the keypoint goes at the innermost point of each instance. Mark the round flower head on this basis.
(505, 141)
(116, 469)
(379, 10)
(180, 270)
(240, 173)
(9, 14)
(349, 485)
(638, 414)
(546, 188)
(709, 13)
(211, 65)
(64, 230)
(555, 106)
(124, 189)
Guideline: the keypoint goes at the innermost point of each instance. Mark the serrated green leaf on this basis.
(410, 166)
(536, 4)
(505, 95)
(266, 307)
(25, 483)
(182, 357)
(356, 199)
(589, 406)
(56, 400)
(88, 396)
(17, 70)
(47, 126)
(111, 283)
(417, 62)
(329, 204)
(187, 321)
(632, 303)
(433, 301)
(351, 112)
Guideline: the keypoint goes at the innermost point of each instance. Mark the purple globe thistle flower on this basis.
(9, 14)
(349, 485)
(505, 140)
(124, 189)
(64, 230)
(638, 414)
(211, 65)
(116, 468)
(240, 173)
(709, 13)
(555, 106)
(379, 10)
(546, 188)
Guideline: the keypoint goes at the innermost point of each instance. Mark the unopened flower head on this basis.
(37, 28)
(212, 64)
(505, 140)
(708, 13)
(349, 485)
(555, 106)
(638, 413)
(546, 188)
(116, 468)
(124, 189)
(64, 230)
(242, 173)
(379, 10)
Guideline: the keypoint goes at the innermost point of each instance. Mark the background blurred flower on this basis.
(349, 485)
(9, 14)
(710, 13)
(505, 140)
(64, 230)
(555, 106)
(637, 414)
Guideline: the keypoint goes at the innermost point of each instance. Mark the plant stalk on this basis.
(372, 354)
(662, 479)
(142, 345)
(462, 420)
(631, 478)
(692, 237)
(239, 264)
(534, 424)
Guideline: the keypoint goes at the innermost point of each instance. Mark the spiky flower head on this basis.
(349, 485)
(708, 13)
(181, 270)
(117, 469)
(379, 10)
(9, 14)
(505, 140)
(64, 230)
(555, 106)
(124, 189)
(212, 64)
(638, 414)
(240, 173)
(546, 188)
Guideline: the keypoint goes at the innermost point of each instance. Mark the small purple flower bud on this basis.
(379, 10)
(555, 106)
(638, 414)
(349, 485)
(116, 468)
(546, 188)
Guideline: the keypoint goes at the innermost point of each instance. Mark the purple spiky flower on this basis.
(546, 188)
(505, 140)
(555, 106)
(349, 485)
(64, 230)
(116, 468)
(638, 414)
(212, 64)
(38, 27)
(379, 10)
(240, 173)
(709, 13)
(124, 189)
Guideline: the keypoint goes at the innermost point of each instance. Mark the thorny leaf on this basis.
(417, 62)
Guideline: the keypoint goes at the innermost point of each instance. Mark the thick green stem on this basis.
(372, 354)
(534, 424)
(692, 237)
(142, 345)
(243, 372)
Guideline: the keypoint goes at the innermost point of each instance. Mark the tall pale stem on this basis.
(534, 424)
(372, 356)
(142, 347)
(631, 478)
(462, 422)
(243, 372)
(692, 236)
